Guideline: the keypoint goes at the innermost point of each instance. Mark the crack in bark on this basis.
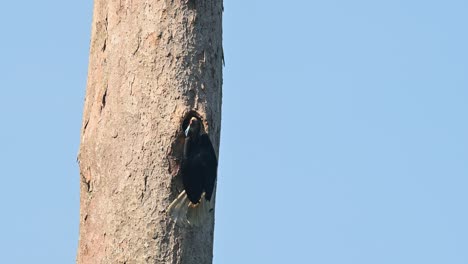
(104, 45)
(138, 43)
(131, 85)
(103, 100)
(222, 57)
(145, 179)
(85, 126)
(87, 182)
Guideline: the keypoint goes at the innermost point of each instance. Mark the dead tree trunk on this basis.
(152, 63)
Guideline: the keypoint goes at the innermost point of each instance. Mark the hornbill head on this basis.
(193, 129)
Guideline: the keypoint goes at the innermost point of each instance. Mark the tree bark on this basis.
(152, 64)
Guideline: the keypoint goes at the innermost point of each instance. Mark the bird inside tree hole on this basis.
(177, 147)
(197, 170)
(188, 117)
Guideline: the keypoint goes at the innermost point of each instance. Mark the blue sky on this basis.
(344, 133)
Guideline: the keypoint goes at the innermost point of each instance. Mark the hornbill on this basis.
(198, 170)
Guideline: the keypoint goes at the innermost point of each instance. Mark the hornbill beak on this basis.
(187, 130)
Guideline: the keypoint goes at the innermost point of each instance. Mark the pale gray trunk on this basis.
(151, 63)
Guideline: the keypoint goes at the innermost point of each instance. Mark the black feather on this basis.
(199, 167)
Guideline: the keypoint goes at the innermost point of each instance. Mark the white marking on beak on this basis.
(187, 131)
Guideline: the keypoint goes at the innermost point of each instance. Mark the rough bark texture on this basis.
(152, 62)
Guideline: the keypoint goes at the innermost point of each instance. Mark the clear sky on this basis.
(344, 133)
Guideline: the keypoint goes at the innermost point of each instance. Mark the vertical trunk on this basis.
(151, 64)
